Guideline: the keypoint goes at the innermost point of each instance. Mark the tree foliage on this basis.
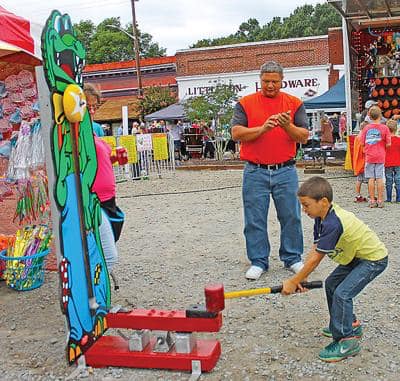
(217, 105)
(214, 107)
(107, 43)
(306, 20)
(155, 98)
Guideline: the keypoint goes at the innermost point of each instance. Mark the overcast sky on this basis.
(174, 24)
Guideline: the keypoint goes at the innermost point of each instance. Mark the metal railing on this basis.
(149, 155)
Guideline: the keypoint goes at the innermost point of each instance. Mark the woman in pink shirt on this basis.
(104, 187)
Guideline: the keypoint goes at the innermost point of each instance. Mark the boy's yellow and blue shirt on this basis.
(343, 237)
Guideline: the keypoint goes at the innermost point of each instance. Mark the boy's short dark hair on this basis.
(317, 188)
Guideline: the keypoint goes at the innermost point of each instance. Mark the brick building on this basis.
(117, 82)
(311, 65)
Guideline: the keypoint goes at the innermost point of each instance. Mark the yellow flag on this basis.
(160, 146)
(129, 143)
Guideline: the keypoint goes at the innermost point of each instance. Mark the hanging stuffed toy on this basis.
(371, 87)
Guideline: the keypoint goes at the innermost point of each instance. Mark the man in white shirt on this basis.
(176, 131)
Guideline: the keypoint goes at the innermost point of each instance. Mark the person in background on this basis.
(326, 131)
(106, 129)
(358, 165)
(268, 125)
(93, 99)
(360, 255)
(105, 188)
(392, 163)
(162, 127)
(375, 138)
(365, 115)
(335, 127)
(135, 128)
(176, 131)
(208, 144)
(136, 166)
(196, 125)
(342, 126)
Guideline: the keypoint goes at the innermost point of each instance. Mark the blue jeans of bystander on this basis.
(259, 184)
(392, 175)
(341, 286)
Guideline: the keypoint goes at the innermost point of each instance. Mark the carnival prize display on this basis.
(378, 67)
(25, 258)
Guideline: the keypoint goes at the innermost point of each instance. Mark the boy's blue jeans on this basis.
(392, 175)
(342, 286)
(259, 184)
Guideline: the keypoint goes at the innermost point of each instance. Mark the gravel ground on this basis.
(173, 245)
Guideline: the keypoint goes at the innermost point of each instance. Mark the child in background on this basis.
(375, 138)
(358, 165)
(361, 256)
(392, 163)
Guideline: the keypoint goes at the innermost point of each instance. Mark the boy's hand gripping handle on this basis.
(308, 285)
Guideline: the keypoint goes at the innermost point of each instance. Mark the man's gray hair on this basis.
(271, 67)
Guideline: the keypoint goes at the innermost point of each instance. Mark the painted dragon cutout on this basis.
(86, 295)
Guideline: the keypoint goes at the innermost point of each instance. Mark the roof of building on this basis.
(247, 44)
(129, 64)
(124, 83)
(111, 109)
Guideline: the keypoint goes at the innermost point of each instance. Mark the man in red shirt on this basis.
(268, 125)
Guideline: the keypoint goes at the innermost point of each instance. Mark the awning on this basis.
(171, 112)
(375, 13)
(334, 98)
(111, 109)
(18, 35)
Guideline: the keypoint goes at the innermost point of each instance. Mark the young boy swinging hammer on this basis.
(361, 256)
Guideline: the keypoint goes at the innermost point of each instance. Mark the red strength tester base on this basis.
(114, 350)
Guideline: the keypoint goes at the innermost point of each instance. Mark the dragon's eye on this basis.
(58, 24)
(67, 24)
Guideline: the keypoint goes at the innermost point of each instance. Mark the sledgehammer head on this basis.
(215, 301)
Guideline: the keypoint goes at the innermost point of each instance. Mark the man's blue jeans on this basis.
(282, 184)
(342, 286)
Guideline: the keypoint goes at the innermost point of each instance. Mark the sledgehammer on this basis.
(215, 295)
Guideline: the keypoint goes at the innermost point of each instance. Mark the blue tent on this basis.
(333, 98)
(174, 111)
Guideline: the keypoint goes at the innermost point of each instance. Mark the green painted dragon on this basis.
(64, 59)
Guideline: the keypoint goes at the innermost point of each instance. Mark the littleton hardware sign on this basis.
(301, 82)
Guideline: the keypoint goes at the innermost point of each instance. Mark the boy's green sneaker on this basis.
(339, 350)
(357, 330)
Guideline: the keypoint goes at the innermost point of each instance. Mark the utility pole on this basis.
(136, 46)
